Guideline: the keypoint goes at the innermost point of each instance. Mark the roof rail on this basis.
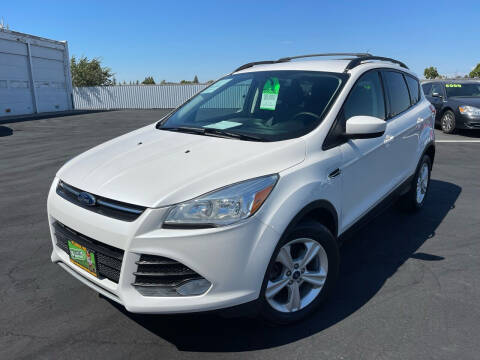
(246, 66)
(286, 59)
(357, 61)
(324, 54)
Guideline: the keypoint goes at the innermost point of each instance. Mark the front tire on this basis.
(301, 273)
(415, 198)
(448, 122)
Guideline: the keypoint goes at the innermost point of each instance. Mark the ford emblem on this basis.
(86, 198)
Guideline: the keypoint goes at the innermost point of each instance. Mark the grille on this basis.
(157, 274)
(107, 207)
(108, 258)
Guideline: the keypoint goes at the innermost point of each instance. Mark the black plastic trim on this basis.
(356, 62)
(364, 136)
(109, 259)
(315, 205)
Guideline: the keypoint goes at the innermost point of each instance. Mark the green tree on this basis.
(89, 72)
(148, 81)
(475, 73)
(195, 80)
(431, 73)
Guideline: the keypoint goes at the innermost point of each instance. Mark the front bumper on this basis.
(233, 259)
(467, 121)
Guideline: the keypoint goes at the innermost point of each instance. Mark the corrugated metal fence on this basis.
(133, 96)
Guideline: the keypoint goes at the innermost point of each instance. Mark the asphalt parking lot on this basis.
(409, 285)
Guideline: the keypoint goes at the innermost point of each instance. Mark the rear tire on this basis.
(448, 122)
(414, 199)
(301, 274)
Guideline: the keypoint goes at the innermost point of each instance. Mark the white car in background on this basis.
(244, 193)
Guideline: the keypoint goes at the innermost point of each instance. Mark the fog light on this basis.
(194, 287)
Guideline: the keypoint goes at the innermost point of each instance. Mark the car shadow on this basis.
(369, 258)
(5, 131)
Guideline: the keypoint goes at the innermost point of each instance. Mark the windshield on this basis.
(267, 105)
(464, 90)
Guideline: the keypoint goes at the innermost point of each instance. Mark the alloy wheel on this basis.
(447, 122)
(422, 183)
(297, 276)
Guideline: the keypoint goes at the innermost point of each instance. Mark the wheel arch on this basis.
(430, 151)
(445, 109)
(321, 211)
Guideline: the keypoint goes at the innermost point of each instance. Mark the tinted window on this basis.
(427, 88)
(436, 88)
(271, 105)
(413, 88)
(397, 92)
(366, 97)
(465, 89)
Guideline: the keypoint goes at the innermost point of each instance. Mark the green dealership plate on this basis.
(82, 257)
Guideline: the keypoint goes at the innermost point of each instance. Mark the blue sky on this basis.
(176, 40)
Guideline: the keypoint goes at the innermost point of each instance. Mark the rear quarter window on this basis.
(413, 88)
(398, 95)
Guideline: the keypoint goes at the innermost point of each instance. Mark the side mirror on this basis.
(436, 94)
(365, 127)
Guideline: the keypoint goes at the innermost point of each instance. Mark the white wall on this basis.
(34, 75)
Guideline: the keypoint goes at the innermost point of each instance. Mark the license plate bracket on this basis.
(83, 257)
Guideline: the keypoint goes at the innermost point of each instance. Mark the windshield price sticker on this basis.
(222, 125)
(270, 94)
(215, 86)
(453, 85)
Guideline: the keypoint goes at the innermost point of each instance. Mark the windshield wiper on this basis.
(186, 129)
(213, 132)
(233, 135)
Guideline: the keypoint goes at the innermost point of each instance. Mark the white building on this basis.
(34, 74)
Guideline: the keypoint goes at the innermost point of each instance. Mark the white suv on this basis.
(244, 193)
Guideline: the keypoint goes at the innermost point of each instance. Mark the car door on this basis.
(403, 125)
(364, 175)
(436, 95)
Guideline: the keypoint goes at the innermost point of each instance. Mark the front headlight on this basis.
(469, 110)
(224, 206)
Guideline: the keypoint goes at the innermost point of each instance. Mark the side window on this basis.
(436, 88)
(413, 87)
(366, 97)
(427, 88)
(398, 96)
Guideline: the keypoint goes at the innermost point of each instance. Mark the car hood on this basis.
(465, 100)
(154, 168)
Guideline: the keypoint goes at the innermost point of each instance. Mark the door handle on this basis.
(388, 139)
(335, 173)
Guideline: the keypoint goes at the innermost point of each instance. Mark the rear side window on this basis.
(413, 87)
(366, 97)
(398, 96)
